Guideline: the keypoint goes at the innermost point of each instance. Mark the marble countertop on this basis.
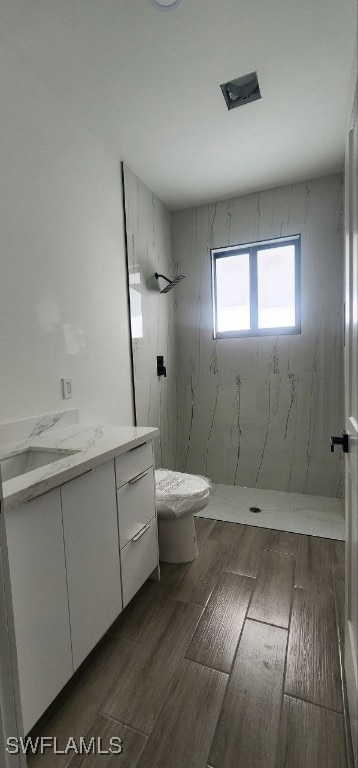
(95, 443)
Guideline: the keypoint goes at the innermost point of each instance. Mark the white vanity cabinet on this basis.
(137, 523)
(138, 560)
(136, 506)
(73, 552)
(92, 557)
(40, 606)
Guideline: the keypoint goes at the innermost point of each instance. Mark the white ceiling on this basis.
(147, 83)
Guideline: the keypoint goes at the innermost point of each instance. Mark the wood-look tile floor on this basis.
(232, 661)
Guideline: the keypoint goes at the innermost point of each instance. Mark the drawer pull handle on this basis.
(141, 533)
(44, 493)
(77, 477)
(138, 477)
(136, 447)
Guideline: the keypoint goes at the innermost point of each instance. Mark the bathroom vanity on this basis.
(82, 539)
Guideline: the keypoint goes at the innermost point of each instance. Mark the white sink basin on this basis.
(29, 459)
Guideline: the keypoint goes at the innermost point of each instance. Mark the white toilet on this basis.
(178, 497)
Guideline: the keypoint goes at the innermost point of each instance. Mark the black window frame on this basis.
(251, 249)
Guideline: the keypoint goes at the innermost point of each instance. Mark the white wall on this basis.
(259, 412)
(63, 305)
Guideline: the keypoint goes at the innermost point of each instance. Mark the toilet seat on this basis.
(178, 497)
(179, 494)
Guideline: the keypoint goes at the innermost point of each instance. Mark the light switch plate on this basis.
(67, 388)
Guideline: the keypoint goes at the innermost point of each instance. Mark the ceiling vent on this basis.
(241, 91)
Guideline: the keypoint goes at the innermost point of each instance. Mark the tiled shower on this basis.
(255, 412)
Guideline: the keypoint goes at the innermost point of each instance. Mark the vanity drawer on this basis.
(132, 463)
(138, 560)
(136, 505)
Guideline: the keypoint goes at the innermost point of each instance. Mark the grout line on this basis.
(127, 725)
(174, 672)
(252, 594)
(261, 554)
(231, 667)
(238, 641)
(247, 617)
(346, 722)
(241, 633)
(123, 637)
(258, 562)
(207, 666)
(285, 661)
(120, 722)
(280, 551)
(244, 575)
(227, 675)
(326, 595)
(190, 602)
(267, 623)
(238, 646)
(99, 713)
(314, 704)
(336, 600)
(254, 579)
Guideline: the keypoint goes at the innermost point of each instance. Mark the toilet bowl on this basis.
(178, 497)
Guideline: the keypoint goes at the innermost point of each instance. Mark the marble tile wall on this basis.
(258, 412)
(152, 314)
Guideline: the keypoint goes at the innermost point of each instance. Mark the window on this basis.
(257, 288)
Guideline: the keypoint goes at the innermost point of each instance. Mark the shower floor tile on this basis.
(293, 512)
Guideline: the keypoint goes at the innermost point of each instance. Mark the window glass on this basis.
(233, 293)
(276, 287)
